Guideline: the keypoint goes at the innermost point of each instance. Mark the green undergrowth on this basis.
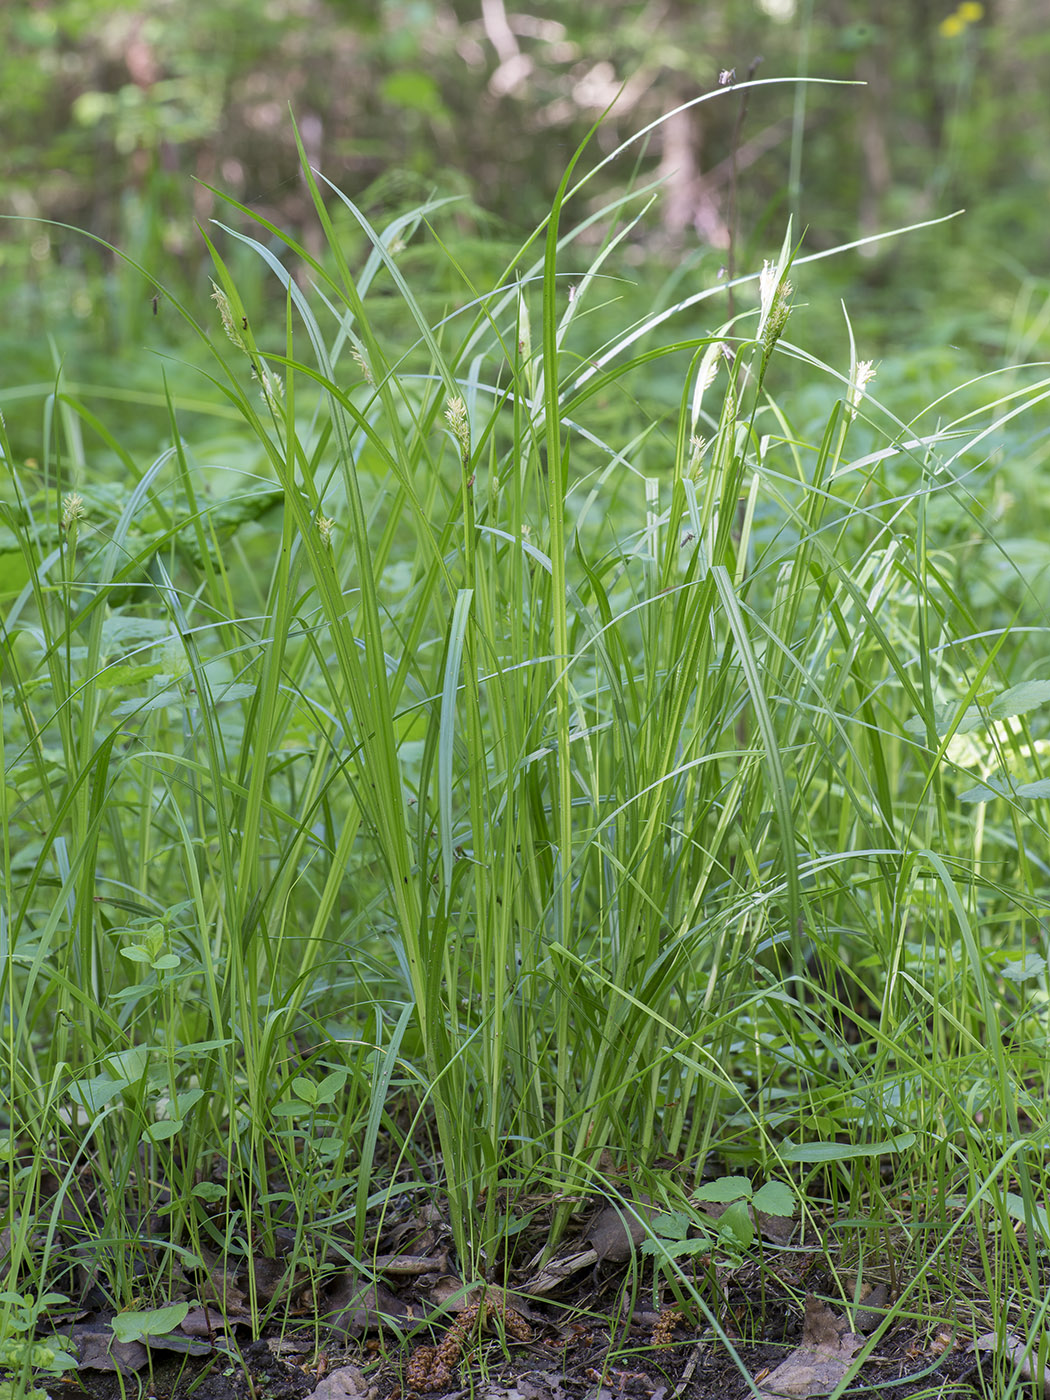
(471, 752)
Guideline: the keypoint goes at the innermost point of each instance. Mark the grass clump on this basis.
(467, 774)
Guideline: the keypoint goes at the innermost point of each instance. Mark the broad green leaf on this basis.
(136, 953)
(127, 630)
(202, 1047)
(845, 1151)
(162, 1131)
(60, 1360)
(1016, 1209)
(330, 1086)
(179, 698)
(983, 792)
(209, 1191)
(306, 1089)
(1018, 700)
(737, 1225)
(95, 1093)
(150, 1322)
(115, 676)
(129, 1064)
(187, 1100)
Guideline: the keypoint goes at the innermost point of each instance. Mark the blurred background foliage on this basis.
(120, 116)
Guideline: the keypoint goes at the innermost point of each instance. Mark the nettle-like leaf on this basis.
(1016, 700)
(678, 1249)
(1031, 965)
(725, 1188)
(1019, 699)
(775, 1198)
(675, 1226)
(224, 517)
(178, 698)
(946, 720)
(999, 787)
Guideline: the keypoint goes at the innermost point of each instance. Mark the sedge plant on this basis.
(478, 764)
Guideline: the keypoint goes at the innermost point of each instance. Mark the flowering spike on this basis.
(272, 386)
(363, 365)
(72, 509)
(229, 323)
(456, 417)
(862, 376)
(697, 448)
(774, 295)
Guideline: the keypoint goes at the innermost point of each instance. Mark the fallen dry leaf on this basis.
(206, 1321)
(353, 1307)
(410, 1265)
(821, 1328)
(345, 1384)
(613, 1236)
(420, 1234)
(817, 1366)
(537, 1385)
(271, 1276)
(448, 1291)
(222, 1290)
(1020, 1353)
(871, 1314)
(98, 1350)
(619, 1230)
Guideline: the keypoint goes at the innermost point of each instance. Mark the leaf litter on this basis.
(582, 1325)
(817, 1366)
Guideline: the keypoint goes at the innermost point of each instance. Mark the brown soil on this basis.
(561, 1361)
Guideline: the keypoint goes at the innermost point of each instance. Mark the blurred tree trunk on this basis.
(690, 200)
(876, 169)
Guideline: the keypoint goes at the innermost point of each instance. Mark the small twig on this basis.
(687, 1374)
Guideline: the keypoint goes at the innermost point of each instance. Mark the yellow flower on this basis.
(969, 12)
